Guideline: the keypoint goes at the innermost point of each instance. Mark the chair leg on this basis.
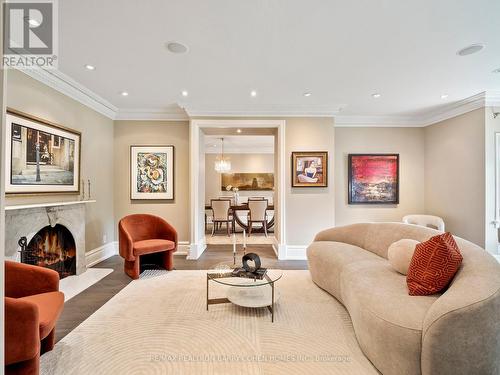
(47, 344)
(168, 260)
(264, 224)
(227, 227)
(29, 367)
(213, 227)
(132, 268)
(249, 228)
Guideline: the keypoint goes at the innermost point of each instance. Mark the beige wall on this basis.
(408, 143)
(308, 210)
(492, 127)
(455, 174)
(129, 133)
(28, 95)
(240, 163)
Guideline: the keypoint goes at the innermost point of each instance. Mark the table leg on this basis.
(272, 303)
(207, 292)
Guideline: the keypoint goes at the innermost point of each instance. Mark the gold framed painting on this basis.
(152, 172)
(310, 169)
(40, 157)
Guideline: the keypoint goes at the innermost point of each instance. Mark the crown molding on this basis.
(170, 113)
(69, 87)
(180, 112)
(481, 100)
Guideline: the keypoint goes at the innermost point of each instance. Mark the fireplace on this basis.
(51, 247)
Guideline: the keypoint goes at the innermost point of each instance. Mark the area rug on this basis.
(160, 325)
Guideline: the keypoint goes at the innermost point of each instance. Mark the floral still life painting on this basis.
(152, 172)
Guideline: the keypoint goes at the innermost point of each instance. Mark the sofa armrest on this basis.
(125, 243)
(22, 336)
(352, 234)
(461, 330)
(167, 231)
(23, 280)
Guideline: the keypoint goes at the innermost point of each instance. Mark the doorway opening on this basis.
(237, 185)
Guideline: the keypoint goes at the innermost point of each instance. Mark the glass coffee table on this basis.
(243, 291)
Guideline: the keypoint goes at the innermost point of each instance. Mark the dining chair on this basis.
(429, 221)
(221, 214)
(257, 214)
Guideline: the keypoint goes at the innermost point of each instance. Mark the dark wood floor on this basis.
(80, 307)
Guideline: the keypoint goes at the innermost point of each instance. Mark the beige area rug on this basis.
(159, 325)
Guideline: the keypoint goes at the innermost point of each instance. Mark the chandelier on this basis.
(222, 163)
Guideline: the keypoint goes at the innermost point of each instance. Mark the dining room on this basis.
(239, 188)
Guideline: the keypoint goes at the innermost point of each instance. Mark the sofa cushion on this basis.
(329, 258)
(152, 246)
(433, 266)
(387, 321)
(49, 306)
(400, 253)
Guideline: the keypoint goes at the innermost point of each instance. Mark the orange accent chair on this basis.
(146, 238)
(33, 304)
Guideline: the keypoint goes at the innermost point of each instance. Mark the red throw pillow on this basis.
(433, 265)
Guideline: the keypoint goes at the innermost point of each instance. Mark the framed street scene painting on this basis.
(373, 178)
(41, 157)
(310, 169)
(152, 172)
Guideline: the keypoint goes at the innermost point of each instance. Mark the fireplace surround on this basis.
(43, 227)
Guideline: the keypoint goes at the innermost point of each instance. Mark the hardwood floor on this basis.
(80, 307)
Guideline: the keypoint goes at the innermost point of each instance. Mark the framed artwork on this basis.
(34, 162)
(310, 169)
(248, 181)
(151, 172)
(373, 179)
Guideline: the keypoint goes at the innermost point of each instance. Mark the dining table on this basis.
(236, 219)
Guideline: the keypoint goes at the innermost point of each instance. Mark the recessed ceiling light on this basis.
(307, 93)
(238, 131)
(124, 93)
(496, 70)
(176, 47)
(184, 93)
(376, 95)
(444, 96)
(253, 93)
(90, 67)
(469, 50)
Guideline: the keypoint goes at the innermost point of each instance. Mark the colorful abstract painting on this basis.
(373, 178)
(152, 172)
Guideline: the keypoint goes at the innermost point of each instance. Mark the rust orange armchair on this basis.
(146, 238)
(33, 304)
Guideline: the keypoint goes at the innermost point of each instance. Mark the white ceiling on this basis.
(240, 144)
(341, 51)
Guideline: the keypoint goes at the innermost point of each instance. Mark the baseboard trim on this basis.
(183, 248)
(196, 249)
(101, 253)
(295, 252)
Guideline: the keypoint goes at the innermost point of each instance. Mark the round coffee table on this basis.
(244, 291)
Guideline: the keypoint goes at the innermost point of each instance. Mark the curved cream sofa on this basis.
(456, 332)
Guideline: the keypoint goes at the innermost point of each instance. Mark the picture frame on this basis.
(309, 169)
(152, 172)
(33, 165)
(373, 179)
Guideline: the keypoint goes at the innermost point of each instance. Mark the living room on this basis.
(250, 187)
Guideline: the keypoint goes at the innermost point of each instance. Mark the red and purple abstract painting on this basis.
(373, 178)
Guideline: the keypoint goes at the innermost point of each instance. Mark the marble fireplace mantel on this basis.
(27, 220)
